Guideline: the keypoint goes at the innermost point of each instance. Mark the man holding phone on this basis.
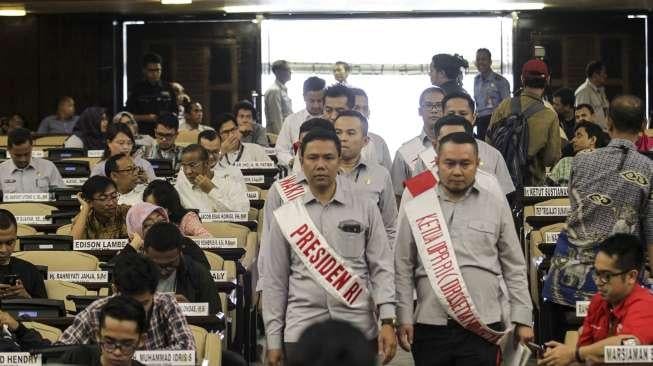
(18, 278)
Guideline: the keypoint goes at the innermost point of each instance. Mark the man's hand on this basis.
(181, 298)
(274, 357)
(523, 334)
(387, 343)
(7, 319)
(204, 183)
(558, 354)
(14, 292)
(84, 205)
(230, 144)
(405, 335)
(245, 128)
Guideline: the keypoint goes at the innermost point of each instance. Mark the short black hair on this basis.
(163, 236)
(207, 135)
(111, 164)
(566, 96)
(459, 95)
(486, 51)
(449, 64)
(7, 219)
(458, 138)
(344, 64)
(95, 184)
(278, 65)
(314, 123)
(585, 105)
(627, 248)
(453, 120)
(204, 155)
(135, 274)
(222, 119)
(594, 130)
(593, 67)
(19, 136)
(313, 83)
(246, 105)
(358, 92)
(339, 90)
(151, 58)
(168, 120)
(123, 308)
(627, 113)
(429, 90)
(355, 114)
(536, 82)
(321, 135)
(166, 196)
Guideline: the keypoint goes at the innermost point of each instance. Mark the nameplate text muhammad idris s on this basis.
(545, 191)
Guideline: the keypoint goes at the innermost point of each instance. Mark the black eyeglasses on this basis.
(604, 277)
(125, 347)
(107, 197)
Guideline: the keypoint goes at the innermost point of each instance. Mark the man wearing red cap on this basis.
(544, 133)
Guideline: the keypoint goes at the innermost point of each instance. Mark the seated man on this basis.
(251, 131)
(206, 189)
(124, 174)
(210, 141)
(137, 277)
(100, 216)
(194, 116)
(232, 149)
(165, 132)
(621, 313)
(29, 282)
(23, 173)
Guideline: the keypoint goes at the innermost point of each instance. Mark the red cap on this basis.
(535, 68)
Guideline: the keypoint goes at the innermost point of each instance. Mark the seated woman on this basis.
(140, 219)
(120, 140)
(100, 216)
(162, 193)
(143, 142)
(89, 132)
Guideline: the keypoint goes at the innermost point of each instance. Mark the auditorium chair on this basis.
(272, 139)
(60, 260)
(65, 229)
(28, 208)
(207, 346)
(185, 138)
(50, 141)
(244, 237)
(50, 333)
(3, 141)
(58, 290)
(23, 230)
(91, 161)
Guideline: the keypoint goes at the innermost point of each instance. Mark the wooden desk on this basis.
(210, 323)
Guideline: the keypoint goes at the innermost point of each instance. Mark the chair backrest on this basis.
(215, 261)
(228, 230)
(252, 214)
(65, 230)
(200, 341)
(187, 137)
(28, 208)
(58, 290)
(23, 230)
(52, 334)
(51, 141)
(60, 260)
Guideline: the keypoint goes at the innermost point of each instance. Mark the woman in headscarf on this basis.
(89, 132)
(143, 142)
(140, 219)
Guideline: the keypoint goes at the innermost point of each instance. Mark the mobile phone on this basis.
(10, 279)
(537, 349)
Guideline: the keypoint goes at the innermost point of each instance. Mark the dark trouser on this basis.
(555, 321)
(481, 125)
(290, 350)
(452, 345)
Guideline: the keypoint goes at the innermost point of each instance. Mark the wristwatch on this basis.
(389, 321)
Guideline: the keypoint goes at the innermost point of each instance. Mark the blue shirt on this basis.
(489, 91)
(52, 124)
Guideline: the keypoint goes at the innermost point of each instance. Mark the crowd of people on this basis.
(420, 251)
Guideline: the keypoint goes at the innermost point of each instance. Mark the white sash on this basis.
(410, 151)
(289, 188)
(429, 228)
(326, 266)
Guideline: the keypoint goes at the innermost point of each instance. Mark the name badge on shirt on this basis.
(224, 216)
(194, 308)
(79, 276)
(216, 243)
(551, 236)
(628, 354)
(33, 220)
(270, 151)
(219, 276)
(26, 197)
(552, 210)
(545, 191)
(254, 165)
(581, 308)
(95, 153)
(75, 182)
(19, 358)
(254, 179)
(174, 358)
(100, 244)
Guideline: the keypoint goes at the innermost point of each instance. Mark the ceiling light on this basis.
(176, 2)
(13, 12)
(346, 6)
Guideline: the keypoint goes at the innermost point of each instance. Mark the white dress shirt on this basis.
(132, 197)
(229, 194)
(247, 153)
(289, 134)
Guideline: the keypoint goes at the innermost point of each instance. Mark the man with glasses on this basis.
(124, 174)
(621, 313)
(165, 132)
(210, 141)
(234, 151)
(221, 189)
(100, 216)
(430, 109)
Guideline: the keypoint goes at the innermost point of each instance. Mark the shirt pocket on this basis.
(43, 183)
(482, 236)
(351, 245)
(9, 186)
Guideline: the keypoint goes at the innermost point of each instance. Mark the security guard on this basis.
(326, 245)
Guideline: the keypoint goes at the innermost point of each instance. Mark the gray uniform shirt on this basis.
(401, 169)
(489, 256)
(293, 300)
(37, 177)
(51, 124)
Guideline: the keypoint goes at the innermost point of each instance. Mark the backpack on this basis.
(510, 137)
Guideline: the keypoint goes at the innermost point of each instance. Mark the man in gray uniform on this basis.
(457, 247)
(328, 257)
(371, 178)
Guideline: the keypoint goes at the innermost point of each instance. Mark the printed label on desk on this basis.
(224, 216)
(551, 236)
(545, 191)
(581, 308)
(254, 179)
(270, 151)
(165, 357)
(216, 243)
(99, 244)
(255, 165)
(219, 276)
(95, 153)
(38, 154)
(628, 354)
(194, 308)
(33, 220)
(75, 181)
(253, 196)
(19, 358)
(26, 197)
(79, 276)
(552, 210)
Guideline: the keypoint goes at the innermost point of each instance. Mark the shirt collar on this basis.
(14, 167)
(489, 75)
(620, 310)
(475, 188)
(339, 196)
(281, 86)
(532, 95)
(616, 142)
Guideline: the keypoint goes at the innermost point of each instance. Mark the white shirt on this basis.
(588, 93)
(289, 134)
(246, 154)
(132, 197)
(186, 127)
(229, 194)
